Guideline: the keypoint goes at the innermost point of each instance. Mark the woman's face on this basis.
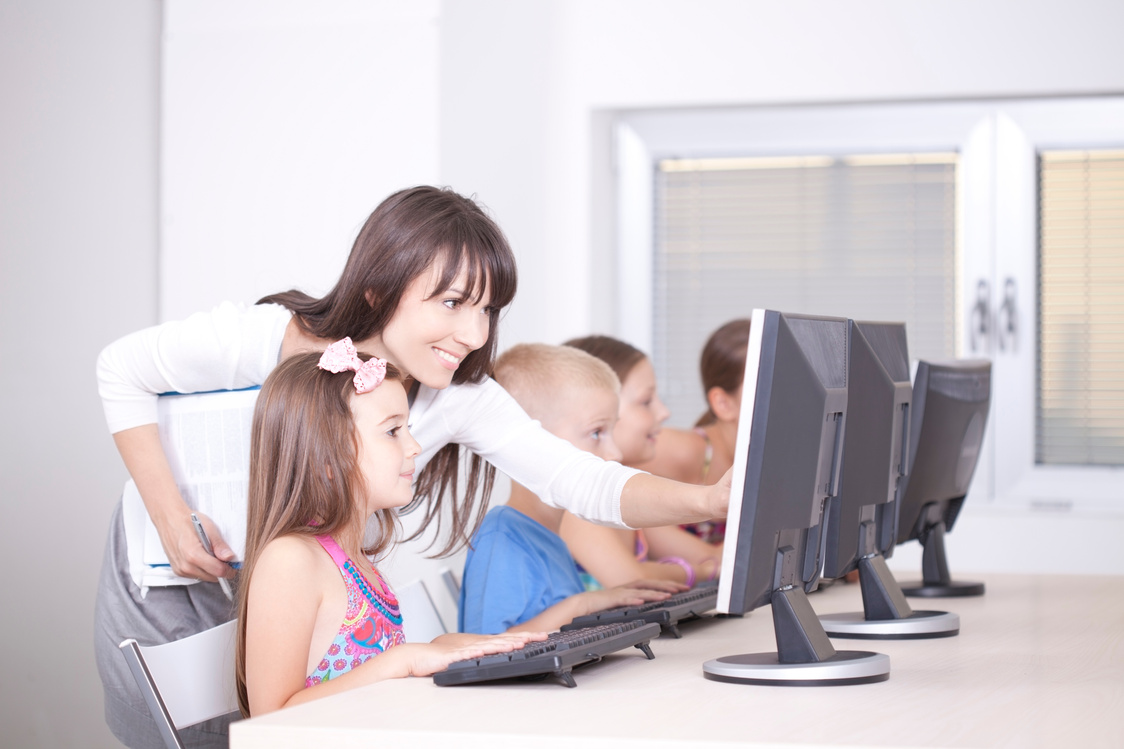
(642, 412)
(431, 334)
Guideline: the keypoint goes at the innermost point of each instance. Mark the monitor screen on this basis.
(790, 437)
(859, 521)
(950, 405)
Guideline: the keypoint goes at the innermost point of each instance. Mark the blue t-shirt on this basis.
(516, 569)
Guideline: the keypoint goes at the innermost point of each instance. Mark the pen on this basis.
(207, 548)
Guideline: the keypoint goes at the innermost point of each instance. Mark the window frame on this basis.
(997, 236)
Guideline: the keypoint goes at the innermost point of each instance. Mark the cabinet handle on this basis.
(979, 317)
(1007, 318)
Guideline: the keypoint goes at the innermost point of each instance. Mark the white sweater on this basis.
(236, 346)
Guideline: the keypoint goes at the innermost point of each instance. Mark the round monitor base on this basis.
(763, 669)
(954, 589)
(920, 625)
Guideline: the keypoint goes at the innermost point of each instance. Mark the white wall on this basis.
(283, 125)
(78, 161)
(305, 116)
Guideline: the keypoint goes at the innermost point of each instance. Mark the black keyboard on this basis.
(556, 655)
(666, 613)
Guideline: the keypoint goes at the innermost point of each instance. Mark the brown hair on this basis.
(722, 362)
(620, 356)
(304, 471)
(408, 233)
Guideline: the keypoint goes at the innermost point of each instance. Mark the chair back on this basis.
(421, 621)
(186, 681)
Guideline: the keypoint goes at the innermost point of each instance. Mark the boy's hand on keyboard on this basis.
(428, 659)
(668, 586)
(611, 598)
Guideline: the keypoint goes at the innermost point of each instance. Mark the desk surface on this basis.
(1039, 662)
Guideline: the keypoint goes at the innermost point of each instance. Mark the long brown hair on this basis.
(722, 363)
(304, 471)
(620, 356)
(408, 233)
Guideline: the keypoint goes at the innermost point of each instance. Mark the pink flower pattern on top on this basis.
(372, 624)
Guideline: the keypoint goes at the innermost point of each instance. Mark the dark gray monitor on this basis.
(786, 465)
(859, 520)
(950, 405)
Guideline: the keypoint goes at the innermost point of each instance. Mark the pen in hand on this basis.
(207, 548)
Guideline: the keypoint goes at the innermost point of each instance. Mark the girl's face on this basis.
(386, 449)
(642, 413)
(431, 334)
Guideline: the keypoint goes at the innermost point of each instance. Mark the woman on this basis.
(423, 288)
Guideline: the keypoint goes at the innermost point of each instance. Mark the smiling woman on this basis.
(423, 288)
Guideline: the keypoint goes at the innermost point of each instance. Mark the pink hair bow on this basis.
(341, 357)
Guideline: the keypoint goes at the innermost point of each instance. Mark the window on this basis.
(993, 229)
(871, 237)
(1081, 308)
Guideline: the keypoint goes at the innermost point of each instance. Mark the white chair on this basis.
(186, 681)
(421, 621)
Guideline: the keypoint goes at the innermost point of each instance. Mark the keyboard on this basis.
(667, 613)
(557, 655)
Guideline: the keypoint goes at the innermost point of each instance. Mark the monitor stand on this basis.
(936, 582)
(804, 657)
(886, 615)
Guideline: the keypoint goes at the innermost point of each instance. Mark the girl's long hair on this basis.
(722, 362)
(407, 234)
(304, 472)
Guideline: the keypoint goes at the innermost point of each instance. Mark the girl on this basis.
(703, 454)
(609, 556)
(330, 449)
(423, 287)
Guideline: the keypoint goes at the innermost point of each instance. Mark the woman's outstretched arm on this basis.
(649, 501)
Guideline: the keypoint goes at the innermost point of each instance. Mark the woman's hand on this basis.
(143, 453)
(718, 495)
(185, 549)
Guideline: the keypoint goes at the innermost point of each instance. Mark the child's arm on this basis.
(602, 553)
(673, 541)
(566, 610)
(290, 584)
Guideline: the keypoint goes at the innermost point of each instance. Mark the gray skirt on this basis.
(164, 615)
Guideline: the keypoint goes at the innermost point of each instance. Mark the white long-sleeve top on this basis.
(236, 346)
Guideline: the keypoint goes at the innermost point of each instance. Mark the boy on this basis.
(519, 575)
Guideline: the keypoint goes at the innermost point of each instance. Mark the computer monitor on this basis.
(950, 404)
(790, 437)
(859, 520)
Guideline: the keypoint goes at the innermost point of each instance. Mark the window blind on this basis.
(872, 237)
(1080, 417)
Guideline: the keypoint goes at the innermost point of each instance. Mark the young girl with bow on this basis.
(330, 451)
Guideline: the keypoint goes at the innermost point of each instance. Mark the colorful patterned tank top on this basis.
(372, 624)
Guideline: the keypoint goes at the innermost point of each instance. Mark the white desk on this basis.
(1039, 662)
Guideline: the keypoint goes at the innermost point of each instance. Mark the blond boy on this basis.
(519, 575)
